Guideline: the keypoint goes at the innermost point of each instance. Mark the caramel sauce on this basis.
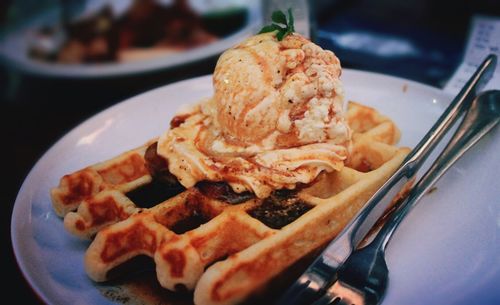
(178, 120)
(298, 112)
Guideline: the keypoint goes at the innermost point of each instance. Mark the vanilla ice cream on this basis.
(275, 120)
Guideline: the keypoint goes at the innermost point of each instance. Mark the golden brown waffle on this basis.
(223, 245)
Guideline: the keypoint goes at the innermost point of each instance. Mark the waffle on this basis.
(223, 245)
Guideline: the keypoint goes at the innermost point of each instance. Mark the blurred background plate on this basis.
(243, 17)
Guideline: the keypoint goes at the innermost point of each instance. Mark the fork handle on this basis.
(474, 126)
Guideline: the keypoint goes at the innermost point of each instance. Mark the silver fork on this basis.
(364, 276)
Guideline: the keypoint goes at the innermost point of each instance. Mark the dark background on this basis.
(36, 112)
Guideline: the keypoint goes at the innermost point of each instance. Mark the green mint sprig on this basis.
(280, 24)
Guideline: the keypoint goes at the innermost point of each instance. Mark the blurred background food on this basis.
(120, 38)
(145, 29)
(76, 58)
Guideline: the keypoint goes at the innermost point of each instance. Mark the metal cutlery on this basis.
(363, 278)
(322, 272)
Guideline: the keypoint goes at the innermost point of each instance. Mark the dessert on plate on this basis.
(244, 184)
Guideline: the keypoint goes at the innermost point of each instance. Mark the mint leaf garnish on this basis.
(283, 25)
(269, 28)
(279, 17)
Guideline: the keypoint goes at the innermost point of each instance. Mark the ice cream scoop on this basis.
(278, 94)
(275, 120)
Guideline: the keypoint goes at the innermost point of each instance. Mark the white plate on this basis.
(14, 48)
(446, 252)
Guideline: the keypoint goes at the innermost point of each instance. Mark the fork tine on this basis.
(327, 299)
(340, 294)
